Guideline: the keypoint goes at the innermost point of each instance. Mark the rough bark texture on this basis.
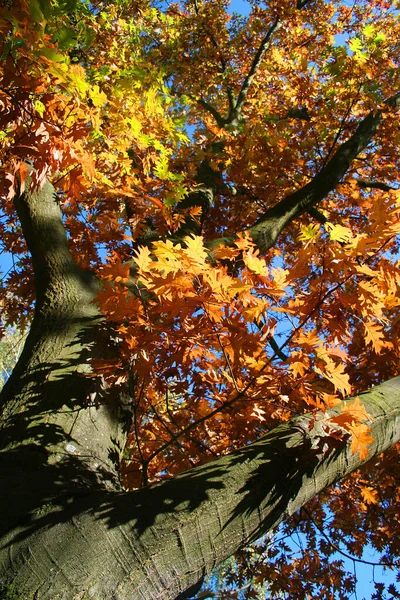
(158, 541)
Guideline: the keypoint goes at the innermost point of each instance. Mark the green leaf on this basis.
(369, 30)
(66, 38)
(355, 45)
(39, 107)
(53, 55)
(380, 37)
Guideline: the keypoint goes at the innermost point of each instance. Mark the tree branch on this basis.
(302, 3)
(375, 184)
(267, 228)
(236, 112)
(221, 122)
(342, 552)
(45, 235)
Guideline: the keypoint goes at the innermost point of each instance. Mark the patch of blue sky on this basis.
(240, 7)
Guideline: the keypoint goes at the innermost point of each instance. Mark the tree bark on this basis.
(158, 541)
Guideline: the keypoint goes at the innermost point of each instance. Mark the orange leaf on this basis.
(374, 336)
(370, 496)
(361, 438)
(334, 374)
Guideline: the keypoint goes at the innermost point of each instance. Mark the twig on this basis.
(235, 113)
(375, 184)
(342, 552)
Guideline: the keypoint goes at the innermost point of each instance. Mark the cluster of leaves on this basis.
(79, 98)
(216, 343)
(216, 329)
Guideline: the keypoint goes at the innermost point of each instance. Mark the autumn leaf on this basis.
(195, 251)
(360, 438)
(356, 410)
(339, 233)
(369, 495)
(143, 259)
(336, 375)
(374, 336)
(230, 183)
(255, 264)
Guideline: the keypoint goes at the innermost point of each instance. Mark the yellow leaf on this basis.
(280, 277)
(195, 250)
(277, 56)
(334, 374)
(298, 368)
(142, 258)
(339, 233)
(308, 232)
(168, 255)
(255, 264)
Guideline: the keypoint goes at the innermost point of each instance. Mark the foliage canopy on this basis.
(233, 182)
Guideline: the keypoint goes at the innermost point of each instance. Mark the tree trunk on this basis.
(67, 531)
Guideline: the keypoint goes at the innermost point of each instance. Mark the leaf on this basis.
(351, 412)
(308, 232)
(369, 30)
(336, 375)
(355, 44)
(339, 233)
(142, 258)
(168, 255)
(361, 438)
(370, 495)
(195, 251)
(374, 336)
(298, 368)
(255, 264)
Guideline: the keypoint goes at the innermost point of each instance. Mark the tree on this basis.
(203, 211)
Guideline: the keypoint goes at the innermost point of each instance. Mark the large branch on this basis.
(48, 383)
(159, 541)
(44, 233)
(267, 228)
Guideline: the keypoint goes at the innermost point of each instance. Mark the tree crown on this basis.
(233, 182)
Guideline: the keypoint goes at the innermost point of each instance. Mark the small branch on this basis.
(277, 349)
(228, 362)
(342, 552)
(235, 114)
(318, 216)
(213, 111)
(375, 184)
(341, 128)
(302, 3)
